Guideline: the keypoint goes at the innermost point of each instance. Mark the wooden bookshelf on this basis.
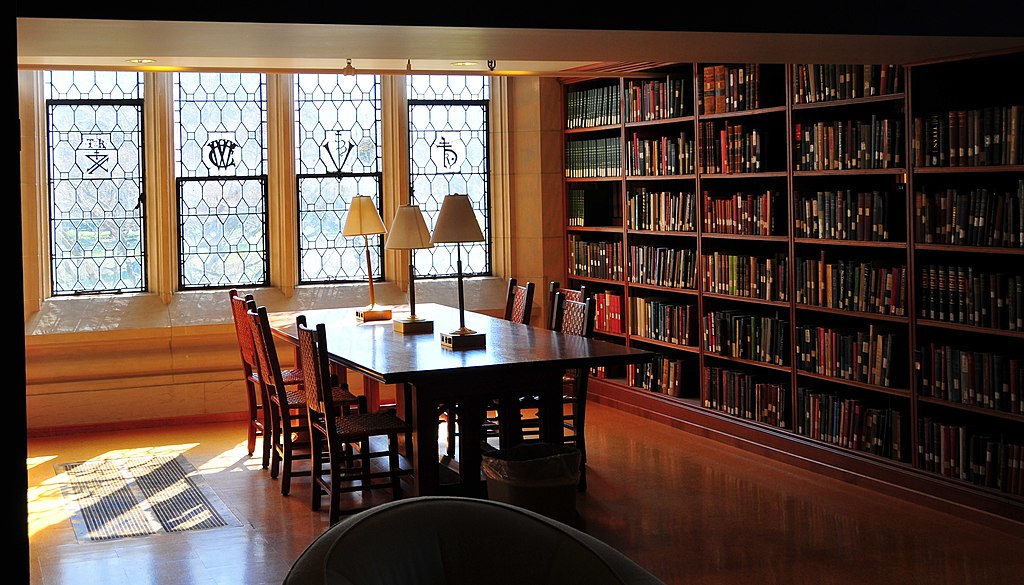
(780, 236)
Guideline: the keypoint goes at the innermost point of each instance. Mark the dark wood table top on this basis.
(376, 350)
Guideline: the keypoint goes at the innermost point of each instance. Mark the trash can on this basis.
(541, 477)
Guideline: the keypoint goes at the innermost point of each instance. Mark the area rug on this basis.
(139, 496)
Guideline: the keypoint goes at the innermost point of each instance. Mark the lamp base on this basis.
(373, 314)
(413, 325)
(456, 340)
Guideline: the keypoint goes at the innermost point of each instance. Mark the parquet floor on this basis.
(688, 509)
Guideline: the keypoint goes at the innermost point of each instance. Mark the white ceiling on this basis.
(277, 46)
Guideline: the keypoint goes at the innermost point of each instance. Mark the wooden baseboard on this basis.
(895, 479)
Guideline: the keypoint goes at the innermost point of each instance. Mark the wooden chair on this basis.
(261, 420)
(571, 317)
(518, 309)
(289, 438)
(571, 294)
(343, 435)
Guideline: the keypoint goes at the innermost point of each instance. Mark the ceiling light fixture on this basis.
(464, 63)
(349, 69)
(141, 61)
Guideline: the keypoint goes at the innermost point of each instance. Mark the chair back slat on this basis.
(316, 371)
(519, 302)
(574, 317)
(266, 352)
(242, 328)
(554, 288)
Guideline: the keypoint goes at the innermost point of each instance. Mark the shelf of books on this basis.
(827, 260)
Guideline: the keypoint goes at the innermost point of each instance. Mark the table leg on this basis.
(425, 477)
(371, 389)
(471, 420)
(550, 409)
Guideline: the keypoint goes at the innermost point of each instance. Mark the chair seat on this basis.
(355, 426)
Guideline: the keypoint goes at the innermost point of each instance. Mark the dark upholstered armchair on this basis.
(441, 540)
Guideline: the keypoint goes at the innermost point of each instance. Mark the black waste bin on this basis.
(541, 477)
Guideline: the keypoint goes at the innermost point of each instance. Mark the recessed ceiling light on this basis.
(141, 61)
(464, 63)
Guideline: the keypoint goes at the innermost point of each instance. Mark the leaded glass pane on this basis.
(95, 177)
(222, 185)
(448, 154)
(338, 156)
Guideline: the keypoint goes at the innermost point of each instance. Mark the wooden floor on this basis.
(688, 509)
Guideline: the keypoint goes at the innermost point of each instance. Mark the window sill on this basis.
(142, 311)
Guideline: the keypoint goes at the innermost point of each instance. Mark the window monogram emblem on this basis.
(220, 151)
(96, 156)
(336, 152)
(447, 152)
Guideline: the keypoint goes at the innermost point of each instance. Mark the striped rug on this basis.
(139, 496)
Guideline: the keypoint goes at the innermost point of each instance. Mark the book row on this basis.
(663, 375)
(974, 217)
(748, 214)
(969, 138)
(851, 285)
(858, 356)
(661, 210)
(607, 312)
(593, 157)
(852, 423)
(661, 156)
(851, 144)
(756, 277)
(730, 88)
(662, 266)
(747, 396)
(843, 215)
(976, 378)
(733, 148)
(814, 83)
(965, 453)
(737, 334)
(599, 259)
(971, 296)
(655, 99)
(590, 107)
(663, 320)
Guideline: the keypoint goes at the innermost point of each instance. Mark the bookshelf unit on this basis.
(826, 276)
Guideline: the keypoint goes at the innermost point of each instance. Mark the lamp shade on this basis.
(408, 230)
(456, 222)
(363, 219)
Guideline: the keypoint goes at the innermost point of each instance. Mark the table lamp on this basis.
(363, 220)
(409, 232)
(456, 223)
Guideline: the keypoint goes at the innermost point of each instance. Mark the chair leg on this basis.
(396, 482)
(316, 461)
(254, 418)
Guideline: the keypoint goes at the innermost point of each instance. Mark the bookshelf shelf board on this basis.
(611, 179)
(902, 392)
(850, 243)
(896, 171)
(666, 344)
(594, 129)
(712, 235)
(971, 408)
(960, 170)
(854, 314)
(664, 289)
(662, 233)
(744, 113)
(972, 249)
(608, 281)
(897, 98)
(758, 175)
(780, 304)
(970, 328)
(640, 178)
(756, 363)
(599, 229)
(660, 122)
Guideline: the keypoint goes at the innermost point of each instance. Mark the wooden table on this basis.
(517, 360)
